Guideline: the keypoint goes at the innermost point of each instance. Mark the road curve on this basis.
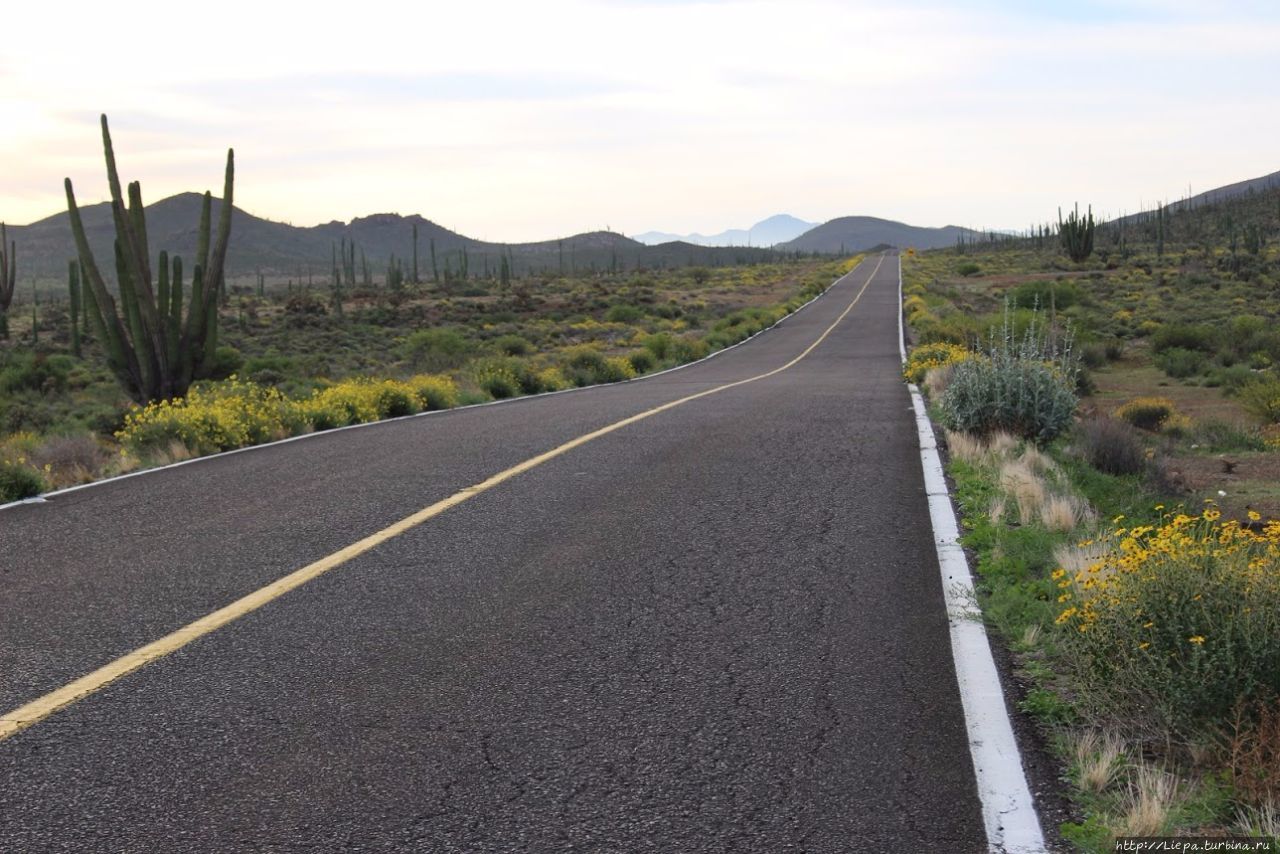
(720, 628)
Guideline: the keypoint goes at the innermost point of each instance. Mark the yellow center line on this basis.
(42, 707)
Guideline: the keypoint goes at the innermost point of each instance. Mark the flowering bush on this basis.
(1147, 413)
(928, 356)
(212, 417)
(1178, 621)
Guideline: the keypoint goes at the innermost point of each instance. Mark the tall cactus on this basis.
(73, 281)
(8, 278)
(1077, 234)
(152, 347)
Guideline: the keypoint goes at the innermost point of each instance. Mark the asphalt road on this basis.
(717, 629)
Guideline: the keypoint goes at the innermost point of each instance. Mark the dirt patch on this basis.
(1251, 481)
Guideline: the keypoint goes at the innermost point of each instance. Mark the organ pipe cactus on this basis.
(8, 278)
(157, 343)
(1077, 234)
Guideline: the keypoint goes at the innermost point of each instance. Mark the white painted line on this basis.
(40, 499)
(1008, 810)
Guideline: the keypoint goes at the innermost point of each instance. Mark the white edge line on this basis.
(1008, 810)
(45, 496)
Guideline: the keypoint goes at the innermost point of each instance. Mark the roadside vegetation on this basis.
(1111, 404)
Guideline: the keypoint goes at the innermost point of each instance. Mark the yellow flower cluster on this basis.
(220, 416)
(926, 357)
(1179, 621)
(1179, 561)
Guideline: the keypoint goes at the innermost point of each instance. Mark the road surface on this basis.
(718, 628)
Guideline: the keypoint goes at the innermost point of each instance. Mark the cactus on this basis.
(1076, 234)
(395, 274)
(415, 254)
(73, 281)
(435, 269)
(8, 277)
(154, 350)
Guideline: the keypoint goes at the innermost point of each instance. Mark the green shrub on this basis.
(1024, 397)
(18, 481)
(642, 361)
(968, 268)
(1180, 363)
(688, 350)
(1184, 336)
(1261, 396)
(659, 344)
(512, 345)
(1231, 379)
(226, 361)
(623, 313)
(496, 377)
(35, 372)
(437, 349)
(1221, 437)
(433, 392)
(1045, 295)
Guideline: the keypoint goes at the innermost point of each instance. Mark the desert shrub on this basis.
(69, 460)
(18, 481)
(1147, 413)
(1230, 379)
(1184, 336)
(1112, 446)
(27, 371)
(1181, 363)
(623, 313)
(1025, 397)
(616, 369)
(642, 361)
(700, 275)
(968, 268)
(1045, 295)
(496, 377)
(926, 357)
(1261, 396)
(433, 392)
(659, 344)
(357, 401)
(214, 416)
(439, 349)
(226, 361)
(1222, 437)
(688, 350)
(512, 345)
(1253, 754)
(1177, 623)
(1093, 356)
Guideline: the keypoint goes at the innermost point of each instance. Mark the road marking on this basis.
(1008, 811)
(41, 708)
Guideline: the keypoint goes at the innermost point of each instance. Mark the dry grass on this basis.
(966, 447)
(1075, 559)
(1151, 798)
(69, 460)
(1261, 821)
(1021, 482)
(1254, 755)
(997, 509)
(1065, 513)
(937, 379)
(1098, 760)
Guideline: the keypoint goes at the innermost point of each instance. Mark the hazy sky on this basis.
(518, 120)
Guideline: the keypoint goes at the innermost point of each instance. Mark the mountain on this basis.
(856, 233)
(280, 250)
(776, 229)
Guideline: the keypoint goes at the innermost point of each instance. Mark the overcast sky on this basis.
(519, 121)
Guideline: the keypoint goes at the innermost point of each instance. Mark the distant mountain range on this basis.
(768, 232)
(280, 250)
